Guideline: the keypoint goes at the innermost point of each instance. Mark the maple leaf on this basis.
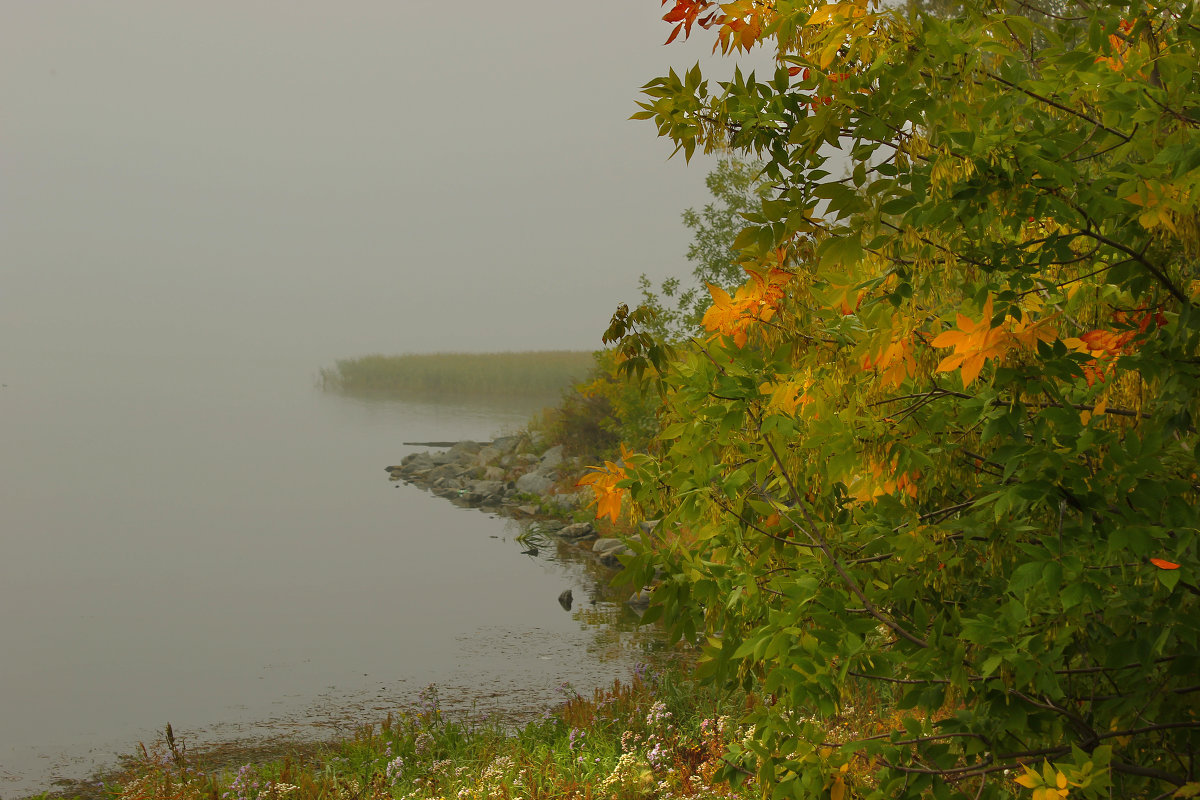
(725, 317)
(1029, 333)
(974, 343)
(603, 481)
(754, 301)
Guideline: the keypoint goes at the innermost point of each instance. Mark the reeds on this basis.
(515, 374)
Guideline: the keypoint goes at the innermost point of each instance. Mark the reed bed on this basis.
(538, 373)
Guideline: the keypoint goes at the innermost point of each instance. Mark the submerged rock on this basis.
(579, 530)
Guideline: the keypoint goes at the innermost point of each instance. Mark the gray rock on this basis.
(566, 599)
(487, 456)
(465, 448)
(552, 457)
(534, 483)
(569, 501)
(486, 488)
(580, 530)
(415, 461)
(507, 444)
(441, 473)
(609, 549)
(612, 559)
(640, 600)
(607, 545)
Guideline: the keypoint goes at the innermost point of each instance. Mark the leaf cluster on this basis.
(953, 471)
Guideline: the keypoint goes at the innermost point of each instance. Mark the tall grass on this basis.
(524, 374)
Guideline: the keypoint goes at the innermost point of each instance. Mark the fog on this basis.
(201, 204)
(328, 179)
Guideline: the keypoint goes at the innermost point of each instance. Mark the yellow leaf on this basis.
(1030, 779)
(787, 395)
(822, 14)
(829, 53)
(838, 791)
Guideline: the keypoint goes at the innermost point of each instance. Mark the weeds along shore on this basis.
(656, 734)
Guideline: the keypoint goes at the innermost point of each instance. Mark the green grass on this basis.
(524, 374)
(657, 735)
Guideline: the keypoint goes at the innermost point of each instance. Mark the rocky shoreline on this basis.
(506, 477)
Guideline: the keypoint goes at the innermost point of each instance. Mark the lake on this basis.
(212, 541)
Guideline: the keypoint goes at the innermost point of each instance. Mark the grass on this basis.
(524, 374)
(655, 735)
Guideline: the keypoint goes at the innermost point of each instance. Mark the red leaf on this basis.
(1162, 564)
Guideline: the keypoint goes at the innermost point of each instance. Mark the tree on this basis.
(938, 453)
(738, 192)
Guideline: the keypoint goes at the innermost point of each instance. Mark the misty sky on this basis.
(332, 178)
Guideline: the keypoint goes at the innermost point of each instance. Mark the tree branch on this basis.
(811, 531)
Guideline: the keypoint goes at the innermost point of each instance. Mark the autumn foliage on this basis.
(939, 450)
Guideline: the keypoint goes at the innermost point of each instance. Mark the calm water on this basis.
(213, 542)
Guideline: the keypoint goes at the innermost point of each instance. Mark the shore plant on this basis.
(655, 735)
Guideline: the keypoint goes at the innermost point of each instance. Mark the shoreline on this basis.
(506, 477)
(496, 477)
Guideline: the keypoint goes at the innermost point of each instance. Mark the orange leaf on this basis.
(974, 343)
(604, 486)
(755, 301)
(1163, 564)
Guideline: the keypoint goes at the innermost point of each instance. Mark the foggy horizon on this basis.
(379, 178)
